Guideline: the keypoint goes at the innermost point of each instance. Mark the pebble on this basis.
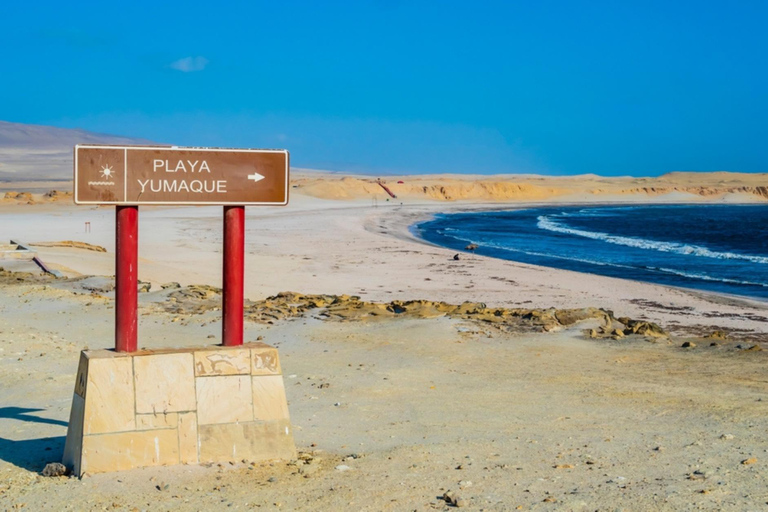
(308, 469)
(688, 344)
(727, 437)
(455, 500)
(55, 469)
(343, 467)
(749, 461)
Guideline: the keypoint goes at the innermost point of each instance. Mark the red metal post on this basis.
(234, 267)
(126, 278)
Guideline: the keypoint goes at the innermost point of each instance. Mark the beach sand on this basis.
(414, 407)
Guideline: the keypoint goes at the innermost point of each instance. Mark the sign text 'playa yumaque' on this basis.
(136, 175)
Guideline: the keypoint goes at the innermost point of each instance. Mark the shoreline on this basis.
(703, 298)
(335, 247)
(412, 229)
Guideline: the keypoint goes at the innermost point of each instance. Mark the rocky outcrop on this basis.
(8, 277)
(350, 308)
(71, 243)
(58, 195)
(27, 197)
(641, 327)
(192, 300)
(19, 197)
(572, 316)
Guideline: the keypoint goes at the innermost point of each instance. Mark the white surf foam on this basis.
(549, 224)
(704, 277)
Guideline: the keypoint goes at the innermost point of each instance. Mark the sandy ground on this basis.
(320, 246)
(551, 421)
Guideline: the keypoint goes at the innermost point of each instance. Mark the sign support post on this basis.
(124, 422)
(130, 176)
(126, 278)
(233, 276)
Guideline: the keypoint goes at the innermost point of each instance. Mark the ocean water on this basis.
(721, 248)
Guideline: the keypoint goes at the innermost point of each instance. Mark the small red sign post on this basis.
(233, 276)
(129, 176)
(126, 278)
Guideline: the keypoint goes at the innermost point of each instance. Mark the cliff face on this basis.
(439, 190)
(486, 191)
(707, 186)
(759, 191)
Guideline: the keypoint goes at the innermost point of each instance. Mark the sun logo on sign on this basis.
(106, 172)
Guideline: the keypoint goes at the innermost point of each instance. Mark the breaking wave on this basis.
(549, 224)
(691, 275)
(721, 248)
(694, 275)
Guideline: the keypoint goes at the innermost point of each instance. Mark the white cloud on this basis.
(188, 64)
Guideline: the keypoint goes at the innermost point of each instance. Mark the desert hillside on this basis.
(36, 153)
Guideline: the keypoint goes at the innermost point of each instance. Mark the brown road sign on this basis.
(176, 176)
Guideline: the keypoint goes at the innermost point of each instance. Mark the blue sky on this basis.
(612, 88)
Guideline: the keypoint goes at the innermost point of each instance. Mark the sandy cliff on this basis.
(681, 186)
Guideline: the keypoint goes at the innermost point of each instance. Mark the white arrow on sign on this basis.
(255, 177)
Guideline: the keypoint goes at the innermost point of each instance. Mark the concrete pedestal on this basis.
(186, 406)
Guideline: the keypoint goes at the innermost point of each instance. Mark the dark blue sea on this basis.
(720, 248)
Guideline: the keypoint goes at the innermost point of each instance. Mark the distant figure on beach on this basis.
(471, 247)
